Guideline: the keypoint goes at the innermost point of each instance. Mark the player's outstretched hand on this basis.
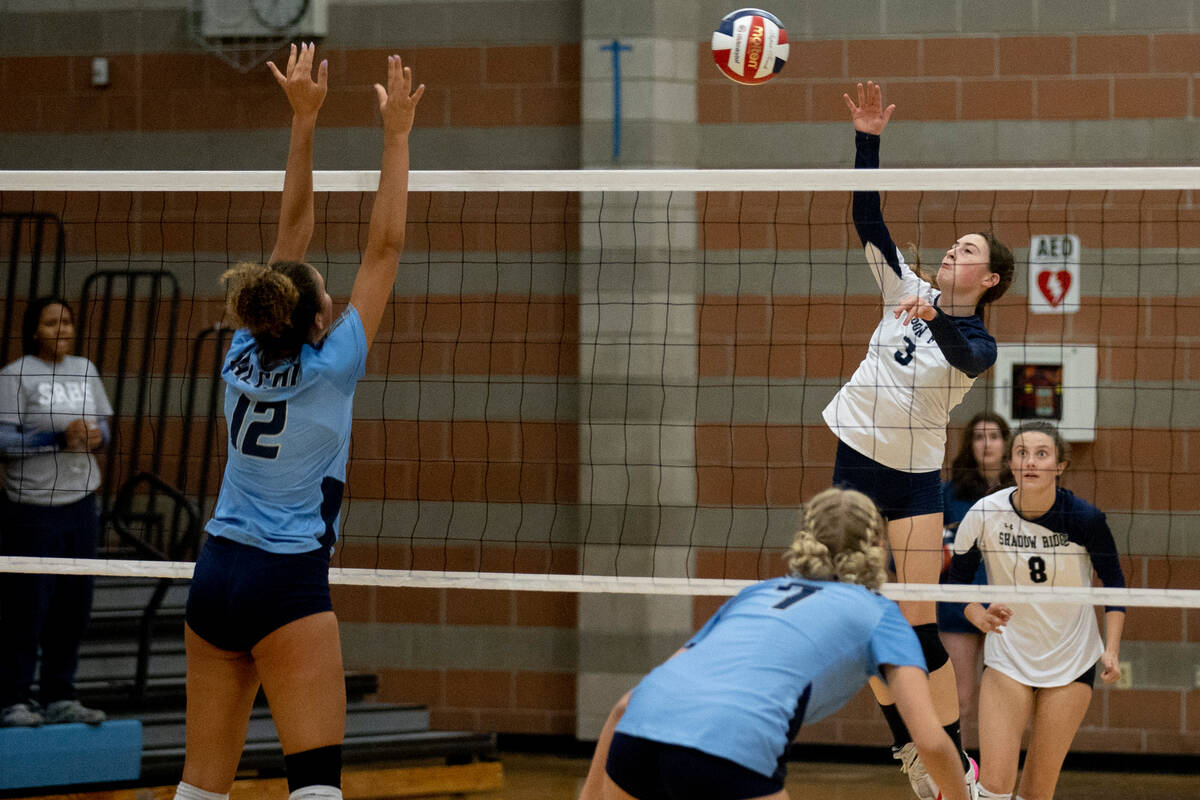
(305, 94)
(398, 102)
(868, 114)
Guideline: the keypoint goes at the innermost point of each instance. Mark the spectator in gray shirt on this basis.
(53, 419)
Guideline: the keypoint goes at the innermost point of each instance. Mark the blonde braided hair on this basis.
(840, 539)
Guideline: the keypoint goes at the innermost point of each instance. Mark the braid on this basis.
(839, 540)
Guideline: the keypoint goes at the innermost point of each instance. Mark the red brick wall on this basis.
(1096, 77)
(466, 86)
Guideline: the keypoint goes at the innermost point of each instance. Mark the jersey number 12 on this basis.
(267, 419)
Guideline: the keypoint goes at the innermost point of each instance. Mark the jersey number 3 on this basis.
(906, 357)
(267, 419)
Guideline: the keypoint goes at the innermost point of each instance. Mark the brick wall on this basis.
(985, 77)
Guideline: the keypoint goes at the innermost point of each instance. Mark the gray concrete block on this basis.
(645, 144)
(849, 18)
(1148, 404)
(1023, 143)
(360, 26)
(1112, 143)
(955, 144)
(544, 147)
(1154, 16)
(988, 16)
(776, 145)
(1174, 141)
(1073, 16)
(923, 17)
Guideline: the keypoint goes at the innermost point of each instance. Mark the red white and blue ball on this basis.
(750, 46)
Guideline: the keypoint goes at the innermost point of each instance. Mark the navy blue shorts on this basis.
(1088, 679)
(240, 593)
(651, 770)
(951, 619)
(898, 495)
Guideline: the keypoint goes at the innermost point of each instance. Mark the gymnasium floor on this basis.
(551, 777)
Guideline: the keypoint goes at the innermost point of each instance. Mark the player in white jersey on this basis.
(259, 610)
(1040, 659)
(891, 416)
(717, 719)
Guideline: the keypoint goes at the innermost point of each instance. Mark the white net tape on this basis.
(600, 584)
(643, 180)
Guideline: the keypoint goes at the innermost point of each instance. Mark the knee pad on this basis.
(931, 646)
(321, 766)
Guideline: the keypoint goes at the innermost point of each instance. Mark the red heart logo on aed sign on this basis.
(1054, 285)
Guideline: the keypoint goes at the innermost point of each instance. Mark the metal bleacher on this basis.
(109, 663)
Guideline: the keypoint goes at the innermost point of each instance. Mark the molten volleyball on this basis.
(750, 46)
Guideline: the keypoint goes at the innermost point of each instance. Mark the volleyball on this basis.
(750, 46)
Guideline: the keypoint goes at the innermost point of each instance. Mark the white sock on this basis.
(985, 794)
(316, 793)
(185, 791)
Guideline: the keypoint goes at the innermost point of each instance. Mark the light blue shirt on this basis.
(289, 438)
(781, 653)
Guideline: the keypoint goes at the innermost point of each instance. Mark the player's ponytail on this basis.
(839, 539)
(1000, 261)
(277, 304)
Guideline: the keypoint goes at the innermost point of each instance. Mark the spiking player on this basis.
(1041, 659)
(890, 418)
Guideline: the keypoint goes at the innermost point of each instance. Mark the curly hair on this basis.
(840, 539)
(277, 303)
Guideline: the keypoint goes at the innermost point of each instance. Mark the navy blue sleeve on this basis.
(866, 209)
(1102, 549)
(105, 433)
(968, 347)
(16, 442)
(964, 565)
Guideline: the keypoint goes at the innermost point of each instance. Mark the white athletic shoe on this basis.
(972, 778)
(910, 764)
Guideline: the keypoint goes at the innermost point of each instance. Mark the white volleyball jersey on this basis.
(896, 406)
(1044, 644)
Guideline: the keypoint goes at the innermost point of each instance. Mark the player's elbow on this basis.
(384, 249)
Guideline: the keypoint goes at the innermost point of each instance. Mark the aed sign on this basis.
(1054, 274)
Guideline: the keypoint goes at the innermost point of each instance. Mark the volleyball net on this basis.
(612, 381)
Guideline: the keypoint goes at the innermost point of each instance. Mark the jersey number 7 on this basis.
(798, 592)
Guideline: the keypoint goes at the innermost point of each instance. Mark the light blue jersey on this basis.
(781, 653)
(289, 438)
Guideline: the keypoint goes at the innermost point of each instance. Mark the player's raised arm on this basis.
(296, 205)
(385, 235)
